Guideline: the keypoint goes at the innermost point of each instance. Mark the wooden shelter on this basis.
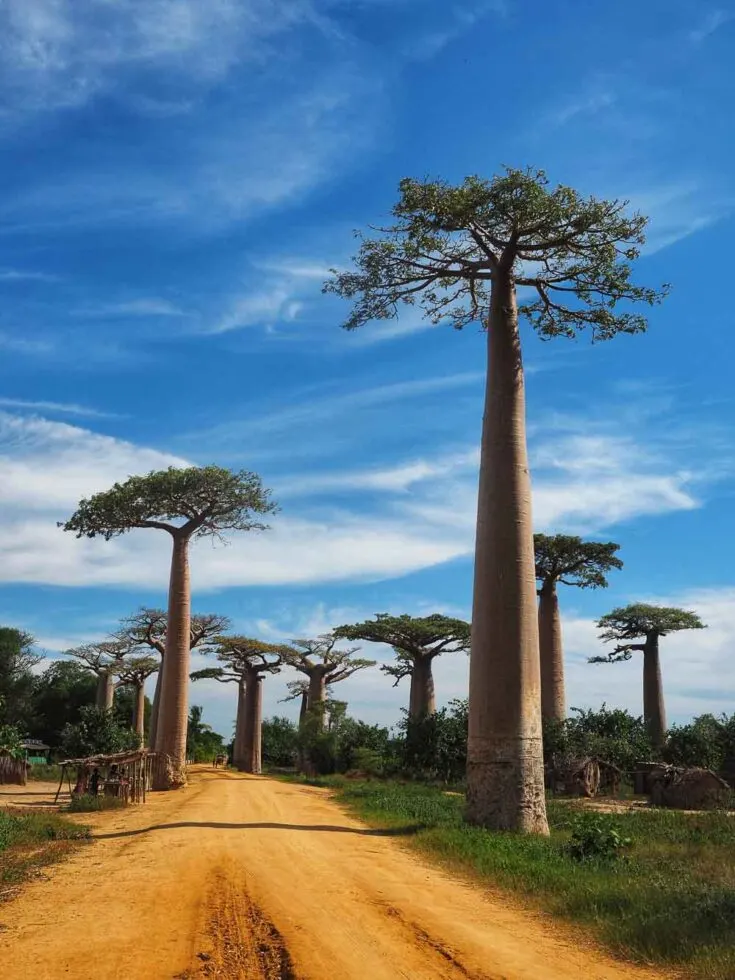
(126, 775)
(688, 789)
(573, 776)
(13, 770)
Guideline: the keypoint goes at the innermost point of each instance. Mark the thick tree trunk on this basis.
(304, 709)
(318, 698)
(553, 696)
(253, 718)
(654, 712)
(505, 774)
(105, 691)
(238, 748)
(422, 698)
(139, 711)
(155, 707)
(170, 767)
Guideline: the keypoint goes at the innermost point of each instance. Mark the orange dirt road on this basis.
(248, 878)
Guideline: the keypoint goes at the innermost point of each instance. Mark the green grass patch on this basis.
(29, 841)
(94, 804)
(669, 899)
(44, 773)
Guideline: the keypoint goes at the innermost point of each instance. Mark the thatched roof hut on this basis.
(13, 770)
(688, 789)
(573, 776)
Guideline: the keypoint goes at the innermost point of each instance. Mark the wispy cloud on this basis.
(25, 275)
(55, 408)
(713, 21)
(586, 106)
(21, 345)
(151, 306)
(678, 210)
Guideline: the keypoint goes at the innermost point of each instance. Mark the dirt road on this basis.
(248, 878)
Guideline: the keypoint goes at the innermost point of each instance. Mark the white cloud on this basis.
(713, 21)
(587, 106)
(57, 408)
(151, 306)
(677, 210)
(25, 275)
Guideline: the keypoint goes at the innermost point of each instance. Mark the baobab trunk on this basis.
(238, 747)
(253, 718)
(553, 696)
(422, 698)
(139, 711)
(318, 698)
(155, 708)
(505, 776)
(304, 709)
(654, 712)
(170, 765)
(105, 691)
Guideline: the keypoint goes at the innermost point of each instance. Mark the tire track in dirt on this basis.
(239, 941)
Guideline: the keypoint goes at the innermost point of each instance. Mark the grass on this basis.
(670, 900)
(29, 841)
(94, 804)
(44, 773)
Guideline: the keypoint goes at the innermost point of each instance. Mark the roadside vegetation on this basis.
(30, 841)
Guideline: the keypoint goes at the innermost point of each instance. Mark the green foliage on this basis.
(641, 620)
(60, 693)
(568, 559)
(43, 773)
(367, 761)
(279, 742)
(707, 742)
(434, 747)
(10, 741)
(122, 709)
(612, 735)
(412, 637)
(202, 744)
(17, 658)
(358, 743)
(96, 733)
(596, 837)
(95, 804)
(448, 245)
(323, 656)
(672, 901)
(200, 501)
(34, 828)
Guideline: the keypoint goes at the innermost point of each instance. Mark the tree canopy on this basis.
(449, 243)
(641, 621)
(18, 657)
(147, 627)
(194, 501)
(412, 637)
(323, 655)
(572, 561)
(243, 652)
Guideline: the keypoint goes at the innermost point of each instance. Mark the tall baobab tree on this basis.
(299, 691)
(324, 664)
(134, 672)
(571, 561)
(105, 660)
(641, 621)
(147, 627)
(417, 641)
(246, 660)
(460, 252)
(187, 504)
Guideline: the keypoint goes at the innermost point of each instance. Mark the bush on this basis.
(595, 837)
(706, 743)
(367, 761)
(96, 733)
(280, 742)
(434, 747)
(42, 772)
(95, 804)
(10, 742)
(611, 735)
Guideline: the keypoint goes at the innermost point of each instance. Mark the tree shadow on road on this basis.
(324, 828)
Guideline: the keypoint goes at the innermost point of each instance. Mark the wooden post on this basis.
(61, 780)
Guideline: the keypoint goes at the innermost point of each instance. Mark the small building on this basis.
(37, 753)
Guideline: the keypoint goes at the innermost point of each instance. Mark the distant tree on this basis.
(461, 252)
(416, 641)
(59, 694)
(202, 743)
(434, 747)
(571, 561)
(706, 742)
(17, 660)
(134, 673)
(186, 503)
(147, 627)
(279, 742)
(324, 664)
(96, 733)
(226, 676)
(610, 734)
(105, 661)
(299, 691)
(649, 623)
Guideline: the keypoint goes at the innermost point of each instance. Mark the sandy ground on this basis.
(247, 878)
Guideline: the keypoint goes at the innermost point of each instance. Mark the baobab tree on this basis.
(324, 664)
(299, 691)
(417, 641)
(134, 672)
(105, 660)
(571, 561)
(147, 627)
(248, 660)
(225, 676)
(187, 504)
(641, 621)
(460, 252)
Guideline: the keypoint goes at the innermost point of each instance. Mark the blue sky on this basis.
(178, 175)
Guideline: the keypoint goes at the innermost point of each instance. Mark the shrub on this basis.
(96, 733)
(43, 772)
(94, 804)
(280, 742)
(595, 837)
(612, 735)
(367, 761)
(434, 747)
(707, 743)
